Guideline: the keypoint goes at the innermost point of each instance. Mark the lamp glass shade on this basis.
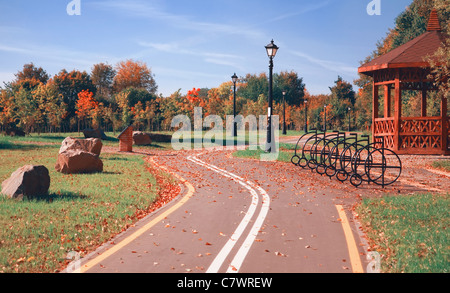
(234, 78)
(271, 49)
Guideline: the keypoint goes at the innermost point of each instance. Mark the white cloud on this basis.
(334, 66)
(54, 53)
(10, 49)
(305, 9)
(148, 10)
(209, 57)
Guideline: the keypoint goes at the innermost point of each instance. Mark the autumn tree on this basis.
(134, 74)
(252, 86)
(6, 108)
(152, 112)
(30, 71)
(52, 105)
(169, 108)
(138, 115)
(27, 114)
(440, 61)
(86, 106)
(102, 76)
(21, 106)
(292, 84)
(69, 85)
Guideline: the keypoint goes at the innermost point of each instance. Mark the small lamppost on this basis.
(234, 78)
(271, 52)
(306, 116)
(325, 118)
(349, 109)
(284, 112)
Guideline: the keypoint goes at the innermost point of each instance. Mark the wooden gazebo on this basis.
(405, 68)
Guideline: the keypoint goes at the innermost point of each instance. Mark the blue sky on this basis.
(195, 43)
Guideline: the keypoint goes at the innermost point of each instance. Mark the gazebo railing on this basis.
(384, 127)
(424, 133)
(421, 132)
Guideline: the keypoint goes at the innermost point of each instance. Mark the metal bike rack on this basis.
(348, 157)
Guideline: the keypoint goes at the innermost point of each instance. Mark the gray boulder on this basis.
(91, 145)
(94, 133)
(30, 181)
(78, 161)
(141, 138)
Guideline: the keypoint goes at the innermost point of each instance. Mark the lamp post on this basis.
(271, 52)
(284, 112)
(325, 118)
(349, 109)
(234, 78)
(306, 116)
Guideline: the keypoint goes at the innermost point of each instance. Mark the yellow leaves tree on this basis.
(135, 74)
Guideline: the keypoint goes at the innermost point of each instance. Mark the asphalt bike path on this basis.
(240, 216)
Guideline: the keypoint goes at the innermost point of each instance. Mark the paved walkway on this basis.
(246, 216)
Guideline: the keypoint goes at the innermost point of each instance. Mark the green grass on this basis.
(82, 211)
(284, 155)
(410, 232)
(443, 164)
(8, 142)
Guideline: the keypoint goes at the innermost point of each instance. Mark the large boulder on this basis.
(141, 138)
(14, 131)
(30, 181)
(158, 137)
(94, 133)
(78, 161)
(91, 145)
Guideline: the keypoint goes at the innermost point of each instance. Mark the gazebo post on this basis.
(397, 111)
(387, 101)
(424, 100)
(444, 123)
(374, 107)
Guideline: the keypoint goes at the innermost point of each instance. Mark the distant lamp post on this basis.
(271, 53)
(306, 116)
(284, 112)
(234, 78)
(349, 109)
(325, 118)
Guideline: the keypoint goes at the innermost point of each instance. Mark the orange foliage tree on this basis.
(86, 106)
(135, 74)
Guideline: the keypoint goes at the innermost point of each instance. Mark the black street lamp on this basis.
(306, 116)
(325, 118)
(271, 52)
(234, 78)
(284, 112)
(349, 109)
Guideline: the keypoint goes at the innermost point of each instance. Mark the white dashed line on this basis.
(238, 259)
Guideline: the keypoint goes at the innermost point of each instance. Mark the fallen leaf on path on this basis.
(277, 253)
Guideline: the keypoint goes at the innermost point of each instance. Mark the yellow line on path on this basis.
(351, 244)
(144, 228)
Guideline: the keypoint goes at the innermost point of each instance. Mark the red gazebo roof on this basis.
(412, 53)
